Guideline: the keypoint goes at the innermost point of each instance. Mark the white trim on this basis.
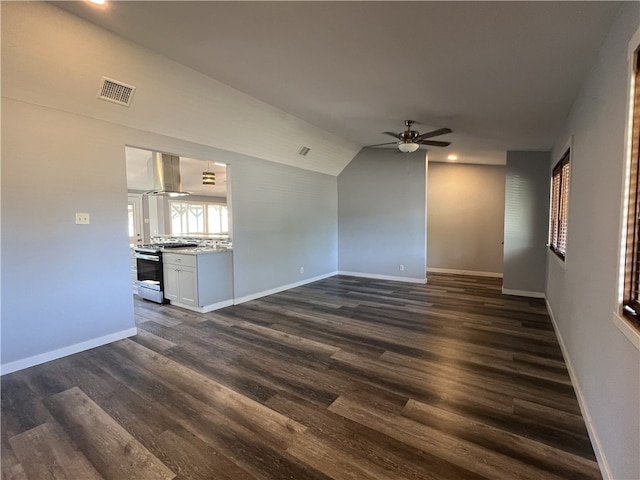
(206, 308)
(138, 214)
(384, 277)
(557, 258)
(566, 148)
(465, 272)
(65, 351)
(523, 293)
(217, 306)
(264, 293)
(623, 325)
(605, 469)
(632, 334)
(634, 46)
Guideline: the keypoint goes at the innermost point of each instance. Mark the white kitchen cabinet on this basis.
(180, 281)
(201, 282)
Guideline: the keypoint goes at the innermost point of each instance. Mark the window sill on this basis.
(558, 259)
(628, 330)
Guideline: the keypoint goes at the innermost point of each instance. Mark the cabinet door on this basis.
(188, 286)
(171, 282)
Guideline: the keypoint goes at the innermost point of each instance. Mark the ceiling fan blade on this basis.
(434, 133)
(394, 135)
(381, 144)
(434, 143)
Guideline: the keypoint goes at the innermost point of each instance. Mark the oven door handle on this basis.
(153, 258)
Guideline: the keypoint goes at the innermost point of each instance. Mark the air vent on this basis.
(303, 151)
(116, 92)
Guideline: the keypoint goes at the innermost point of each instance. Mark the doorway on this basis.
(134, 213)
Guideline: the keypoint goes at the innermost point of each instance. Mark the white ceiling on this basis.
(502, 75)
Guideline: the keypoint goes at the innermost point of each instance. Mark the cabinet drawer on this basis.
(178, 259)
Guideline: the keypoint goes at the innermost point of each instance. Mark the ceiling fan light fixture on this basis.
(408, 147)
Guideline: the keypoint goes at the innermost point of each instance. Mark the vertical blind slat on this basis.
(632, 271)
(559, 205)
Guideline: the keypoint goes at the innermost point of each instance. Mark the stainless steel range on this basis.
(149, 269)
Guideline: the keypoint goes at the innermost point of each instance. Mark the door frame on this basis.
(135, 199)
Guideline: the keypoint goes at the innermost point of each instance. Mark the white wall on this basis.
(67, 287)
(381, 215)
(465, 217)
(582, 293)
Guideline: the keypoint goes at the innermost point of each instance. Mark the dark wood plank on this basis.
(47, 453)
(110, 448)
(478, 459)
(193, 459)
(518, 447)
(372, 447)
(344, 378)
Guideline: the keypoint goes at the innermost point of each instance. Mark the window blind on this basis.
(632, 264)
(559, 206)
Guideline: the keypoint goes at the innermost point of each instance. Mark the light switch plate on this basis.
(82, 219)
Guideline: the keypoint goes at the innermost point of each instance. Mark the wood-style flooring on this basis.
(345, 378)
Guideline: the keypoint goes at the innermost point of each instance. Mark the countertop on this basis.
(198, 250)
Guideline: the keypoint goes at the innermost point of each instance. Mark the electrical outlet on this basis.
(301, 269)
(402, 268)
(82, 219)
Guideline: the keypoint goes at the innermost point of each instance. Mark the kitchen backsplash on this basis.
(202, 241)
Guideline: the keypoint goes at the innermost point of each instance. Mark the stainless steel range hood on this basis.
(164, 173)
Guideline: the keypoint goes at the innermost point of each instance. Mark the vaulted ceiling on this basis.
(502, 75)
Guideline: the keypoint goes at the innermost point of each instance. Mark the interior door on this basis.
(134, 212)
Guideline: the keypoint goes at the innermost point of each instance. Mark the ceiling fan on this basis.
(410, 140)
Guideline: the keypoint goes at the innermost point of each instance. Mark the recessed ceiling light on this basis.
(452, 157)
(98, 2)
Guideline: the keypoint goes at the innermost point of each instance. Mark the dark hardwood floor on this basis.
(345, 378)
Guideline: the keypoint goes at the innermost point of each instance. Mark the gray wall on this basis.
(465, 211)
(583, 292)
(284, 218)
(526, 222)
(381, 214)
(67, 286)
(62, 284)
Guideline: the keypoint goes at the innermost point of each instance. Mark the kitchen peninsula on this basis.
(199, 278)
(188, 272)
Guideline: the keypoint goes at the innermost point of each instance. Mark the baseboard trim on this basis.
(605, 469)
(205, 309)
(383, 277)
(66, 351)
(264, 293)
(465, 272)
(523, 293)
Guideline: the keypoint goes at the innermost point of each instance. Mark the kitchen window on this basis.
(198, 218)
(559, 206)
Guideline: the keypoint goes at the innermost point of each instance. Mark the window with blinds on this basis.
(559, 206)
(632, 264)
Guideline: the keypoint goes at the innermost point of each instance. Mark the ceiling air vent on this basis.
(115, 91)
(303, 151)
